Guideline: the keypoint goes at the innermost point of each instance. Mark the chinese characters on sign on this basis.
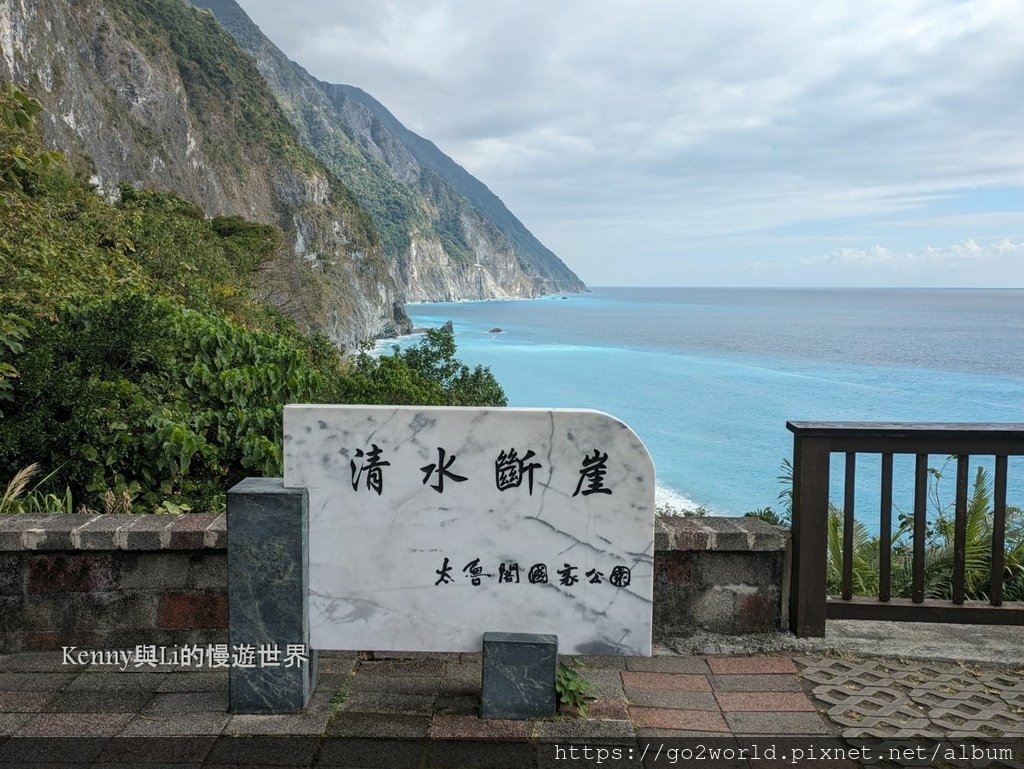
(372, 466)
(419, 516)
(509, 471)
(620, 576)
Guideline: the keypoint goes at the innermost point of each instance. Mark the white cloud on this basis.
(693, 120)
(963, 255)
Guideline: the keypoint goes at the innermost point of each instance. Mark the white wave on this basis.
(674, 500)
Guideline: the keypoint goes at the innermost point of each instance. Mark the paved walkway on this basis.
(422, 711)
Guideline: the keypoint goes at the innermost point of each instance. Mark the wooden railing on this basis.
(814, 442)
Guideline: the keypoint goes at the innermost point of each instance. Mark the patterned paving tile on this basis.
(920, 698)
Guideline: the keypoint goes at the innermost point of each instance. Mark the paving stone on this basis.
(373, 753)
(664, 718)
(471, 727)
(35, 682)
(480, 754)
(865, 672)
(788, 702)
(11, 723)
(75, 724)
(38, 662)
(380, 725)
(605, 684)
(469, 672)
(681, 681)
(24, 702)
(583, 730)
(602, 661)
(838, 695)
(665, 698)
(195, 682)
(750, 682)
(374, 702)
(340, 663)
(983, 721)
(643, 734)
(187, 702)
(310, 722)
(40, 752)
(457, 687)
(610, 710)
(457, 704)
(776, 723)
(97, 702)
(117, 682)
(422, 685)
(732, 665)
(400, 655)
(175, 725)
(403, 667)
(143, 751)
(289, 750)
(692, 665)
(1006, 682)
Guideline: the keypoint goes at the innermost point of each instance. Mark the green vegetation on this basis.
(938, 551)
(225, 88)
(573, 689)
(136, 366)
(389, 202)
(448, 217)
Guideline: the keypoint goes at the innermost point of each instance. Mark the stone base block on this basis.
(268, 581)
(519, 676)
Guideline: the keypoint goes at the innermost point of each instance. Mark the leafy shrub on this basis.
(136, 365)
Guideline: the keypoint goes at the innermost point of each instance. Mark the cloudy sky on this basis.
(738, 143)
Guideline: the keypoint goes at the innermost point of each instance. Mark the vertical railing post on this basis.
(998, 533)
(885, 532)
(810, 525)
(960, 531)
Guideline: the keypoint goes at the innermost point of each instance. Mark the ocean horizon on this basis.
(708, 377)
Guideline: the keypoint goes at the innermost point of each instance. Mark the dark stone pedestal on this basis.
(519, 676)
(268, 582)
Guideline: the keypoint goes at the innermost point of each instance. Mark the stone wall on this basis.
(112, 581)
(118, 581)
(719, 575)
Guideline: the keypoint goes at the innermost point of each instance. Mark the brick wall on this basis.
(112, 581)
(118, 581)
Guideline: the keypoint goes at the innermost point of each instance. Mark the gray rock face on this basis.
(458, 240)
(125, 105)
(119, 106)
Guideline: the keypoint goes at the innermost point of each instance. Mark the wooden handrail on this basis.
(814, 442)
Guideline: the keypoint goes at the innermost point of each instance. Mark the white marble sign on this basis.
(430, 526)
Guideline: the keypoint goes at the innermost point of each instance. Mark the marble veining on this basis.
(430, 526)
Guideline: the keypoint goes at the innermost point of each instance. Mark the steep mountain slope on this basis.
(543, 263)
(446, 236)
(156, 93)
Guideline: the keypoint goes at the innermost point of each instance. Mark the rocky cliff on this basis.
(445, 235)
(156, 93)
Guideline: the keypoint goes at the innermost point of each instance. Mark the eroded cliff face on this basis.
(446, 236)
(166, 100)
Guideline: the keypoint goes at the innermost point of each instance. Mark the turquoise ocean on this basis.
(708, 377)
